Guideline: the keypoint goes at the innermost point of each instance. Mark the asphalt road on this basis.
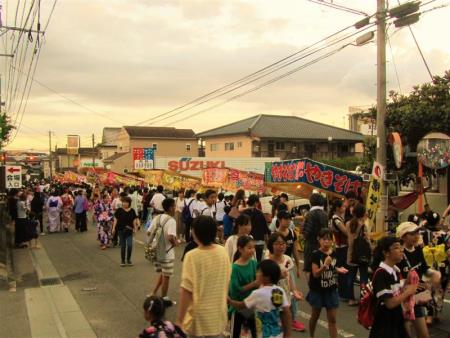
(111, 296)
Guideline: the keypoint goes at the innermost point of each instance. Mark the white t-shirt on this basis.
(231, 246)
(220, 211)
(116, 203)
(156, 201)
(267, 313)
(195, 208)
(206, 210)
(179, 204)
(170, 229)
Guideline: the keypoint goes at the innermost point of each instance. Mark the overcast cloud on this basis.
(130, 60)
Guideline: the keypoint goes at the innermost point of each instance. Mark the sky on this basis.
(110, 63)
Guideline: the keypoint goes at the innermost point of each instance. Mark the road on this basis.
(108, 298)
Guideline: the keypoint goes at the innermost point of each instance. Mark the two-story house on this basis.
(287, 137)
(166, 141)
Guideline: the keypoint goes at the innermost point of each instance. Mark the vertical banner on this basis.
(73, 144)
(374, 195)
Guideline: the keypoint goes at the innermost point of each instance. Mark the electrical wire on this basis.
(249, 76)
(338, 7)
(395, 66)
(263, 84)
(268, 73)
(179, 112)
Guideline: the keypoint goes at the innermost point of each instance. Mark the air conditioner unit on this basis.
(390, 177)
(294, 150)
(366, 177)
(256, 149)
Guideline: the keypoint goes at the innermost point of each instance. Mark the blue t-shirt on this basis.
(227, 225)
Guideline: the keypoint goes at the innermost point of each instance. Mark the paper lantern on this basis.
(433, 150)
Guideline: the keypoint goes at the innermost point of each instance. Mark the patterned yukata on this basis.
(104, 216)
(67, 210)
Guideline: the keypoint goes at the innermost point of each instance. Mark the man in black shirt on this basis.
(260, 230)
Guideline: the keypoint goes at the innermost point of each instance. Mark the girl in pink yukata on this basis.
(103, 213)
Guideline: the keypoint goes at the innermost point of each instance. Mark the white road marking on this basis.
(138, 241)
(324, 324)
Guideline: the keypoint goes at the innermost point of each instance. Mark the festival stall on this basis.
(170, 180)
(300, 177)
(69, 177)
(232, 179)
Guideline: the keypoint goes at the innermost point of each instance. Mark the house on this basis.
(287, 137)
(166, 141)
(62, 161)
(108, 147)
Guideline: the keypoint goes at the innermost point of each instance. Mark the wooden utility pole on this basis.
(93, 151)
(50, 153)
(381, 109)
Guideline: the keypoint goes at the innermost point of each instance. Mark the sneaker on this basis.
(42, 233)
(130, 263)
(123, 264)
(297, 326)
(66, 230)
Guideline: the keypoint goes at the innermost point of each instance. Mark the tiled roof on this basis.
(81, 151)
(159, 132)
(284, 127)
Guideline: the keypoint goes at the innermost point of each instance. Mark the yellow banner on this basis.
(373, 199)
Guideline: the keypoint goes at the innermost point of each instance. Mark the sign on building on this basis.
(143, 158)
(13, 177)
(73, 144)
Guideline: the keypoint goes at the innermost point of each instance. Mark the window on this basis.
(188, 146)
(155, 146)
(279, 145)
(229, 146)
(239, 144)
(214, 147)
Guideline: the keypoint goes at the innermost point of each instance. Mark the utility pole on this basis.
(381, 109)
(50, 152)
(93, 151)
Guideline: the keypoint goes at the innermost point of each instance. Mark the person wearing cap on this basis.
(413, 259)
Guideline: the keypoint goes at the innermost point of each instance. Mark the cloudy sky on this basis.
(125, 61)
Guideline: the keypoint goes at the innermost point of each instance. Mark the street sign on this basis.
(143, 158)
(13, 177)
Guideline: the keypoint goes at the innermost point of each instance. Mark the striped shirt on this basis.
(206, 274)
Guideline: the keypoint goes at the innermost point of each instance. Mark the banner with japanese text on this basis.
(232, 179)
(373, 199)
(314, 173)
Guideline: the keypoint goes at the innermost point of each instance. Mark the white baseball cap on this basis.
(405, 228)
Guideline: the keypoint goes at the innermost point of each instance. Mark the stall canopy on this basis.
(301, 176)
(233, 179)
(170, 180)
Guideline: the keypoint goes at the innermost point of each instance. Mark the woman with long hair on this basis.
(337, 225)
(356, 227)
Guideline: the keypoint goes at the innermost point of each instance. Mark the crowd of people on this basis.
(240, 266)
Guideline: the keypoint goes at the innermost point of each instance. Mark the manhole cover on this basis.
(50, 281)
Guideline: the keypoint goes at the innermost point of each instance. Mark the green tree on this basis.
(426, 109)
(5, 129)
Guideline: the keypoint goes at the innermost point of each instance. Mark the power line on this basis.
(338, 7)
(395, 66)
(207, 100)
(264, 84)
(268, 73)
(248, 76)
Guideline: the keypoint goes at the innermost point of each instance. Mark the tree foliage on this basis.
(426, 109)
(5, 129)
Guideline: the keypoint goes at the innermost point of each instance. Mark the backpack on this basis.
(367, 304)
(362, 252)
(53, 203)
(155, 249)
(186, 213)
